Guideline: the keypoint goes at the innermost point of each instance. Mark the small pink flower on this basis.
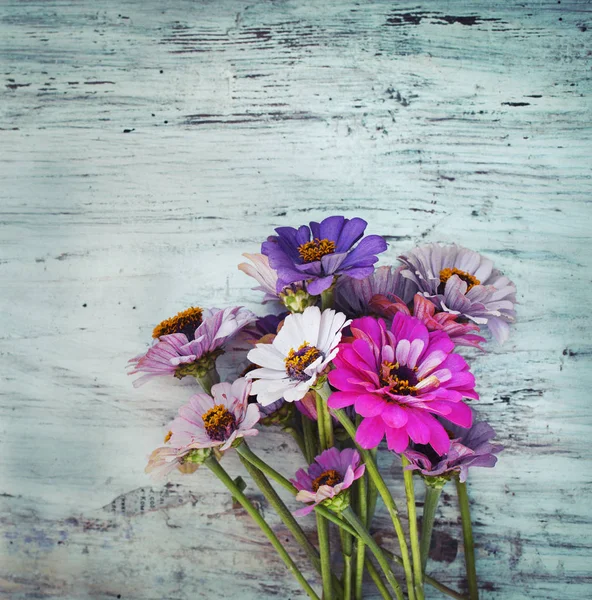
(207, 422)
(462, 334)
(398, 379)
(185, 344)
(331, 473)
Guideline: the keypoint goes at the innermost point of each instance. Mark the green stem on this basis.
(360, 546)
(310, 443)
(383, 490)
(324, 547)
(377, 579)
(225, 478)
(413, 532)
(347, 549)
(430, 580)
(321, 422)
(297, 437)
(465, 515)
(247, 453)
(372, 493)
(322, 395)
(328, 298)
(430, 505)
(282, 510)
(208, 380)
(349, 515)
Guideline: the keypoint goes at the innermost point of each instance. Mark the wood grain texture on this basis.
(146, 145)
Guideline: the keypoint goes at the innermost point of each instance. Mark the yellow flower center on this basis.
(298, 360)
(315, 250)
(219, 423)
(185, 322)
(446, 274)
(330, 477)
(400, 379)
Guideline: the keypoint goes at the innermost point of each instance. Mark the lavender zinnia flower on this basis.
(316, 254)
(331, 473)
(190, 342)
(463, 282)
(353, 296)
(207, 422)
(468, 448)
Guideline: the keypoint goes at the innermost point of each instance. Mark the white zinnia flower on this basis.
(305, 345)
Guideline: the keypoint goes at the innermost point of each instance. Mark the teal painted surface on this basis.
(146, 145)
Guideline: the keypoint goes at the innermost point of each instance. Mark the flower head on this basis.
(353, 296)
(468, 448)
(302, 349)
(462, 334)
(331, 473)
(463, 282)
(214, 421)
(189, 343)
(320, 251)
(398, 379)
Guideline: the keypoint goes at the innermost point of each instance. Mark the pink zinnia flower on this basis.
(462, 334)
(331, 473)
(190, 341)
(398, 379)
(207, 422)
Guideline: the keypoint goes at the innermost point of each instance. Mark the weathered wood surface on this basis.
(146, 145)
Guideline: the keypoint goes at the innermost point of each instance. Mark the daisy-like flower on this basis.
(319, 252)
(462, 334)
(214, 421)
(302, 349)
(398, 379)
(190, 342)
(353, 296)
(327, 478)
(463, 282)
(468, 448)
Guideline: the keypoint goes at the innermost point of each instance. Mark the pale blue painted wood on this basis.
(454, 121)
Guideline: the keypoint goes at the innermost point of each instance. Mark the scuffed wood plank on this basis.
(146, 147)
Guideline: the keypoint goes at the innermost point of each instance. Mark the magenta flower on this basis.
(316, 254)
(398, 379)
(207, 422)
(463, 282)
(331, 473)
(462, 334)
(190, 342)
(468, 448)
(353, 296)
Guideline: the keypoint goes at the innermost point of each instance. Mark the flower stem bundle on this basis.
(357, 365)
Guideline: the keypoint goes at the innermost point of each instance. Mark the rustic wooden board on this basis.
(146, 145)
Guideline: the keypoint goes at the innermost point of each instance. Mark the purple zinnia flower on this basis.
(192, 339)
(207, 422)
(331, 473)
(318, 253)
(353, 296)
(398, 379)
(463, 282)
(468, 448)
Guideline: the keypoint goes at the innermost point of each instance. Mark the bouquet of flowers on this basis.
(351, 355)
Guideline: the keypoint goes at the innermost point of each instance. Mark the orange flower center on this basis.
(219, 423)
(446, 274)
(330, 477)
(315, 250)
(400, 379)
(185, 322)
(298, 360)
